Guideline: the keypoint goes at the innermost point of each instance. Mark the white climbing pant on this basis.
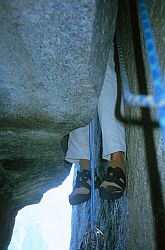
(113, 132)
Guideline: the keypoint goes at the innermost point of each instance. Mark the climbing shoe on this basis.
(114, 182)
(82, 189)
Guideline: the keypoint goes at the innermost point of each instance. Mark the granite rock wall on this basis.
(137, 220)
(53, 57)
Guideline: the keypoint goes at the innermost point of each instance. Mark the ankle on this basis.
(84, 164)
(118, 164)
(118, 156)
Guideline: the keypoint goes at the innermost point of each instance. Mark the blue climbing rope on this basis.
(157, 100)
(91, 136)
(93, 238)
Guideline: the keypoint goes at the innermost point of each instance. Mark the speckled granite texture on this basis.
(53, 57)
(137, 221)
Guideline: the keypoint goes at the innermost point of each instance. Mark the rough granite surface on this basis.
(53, 57)
(137, 220)
(145, 151)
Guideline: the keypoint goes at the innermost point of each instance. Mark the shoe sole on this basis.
(109, 196)
(78, 199)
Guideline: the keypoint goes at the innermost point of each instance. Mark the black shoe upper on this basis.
(82, 188)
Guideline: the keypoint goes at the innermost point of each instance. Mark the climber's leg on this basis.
(78, 152)
(113, 132)
(113, 136)
(114, 148)
(78, 146)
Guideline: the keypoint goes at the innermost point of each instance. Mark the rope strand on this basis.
(157, 100)
(92, 178)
